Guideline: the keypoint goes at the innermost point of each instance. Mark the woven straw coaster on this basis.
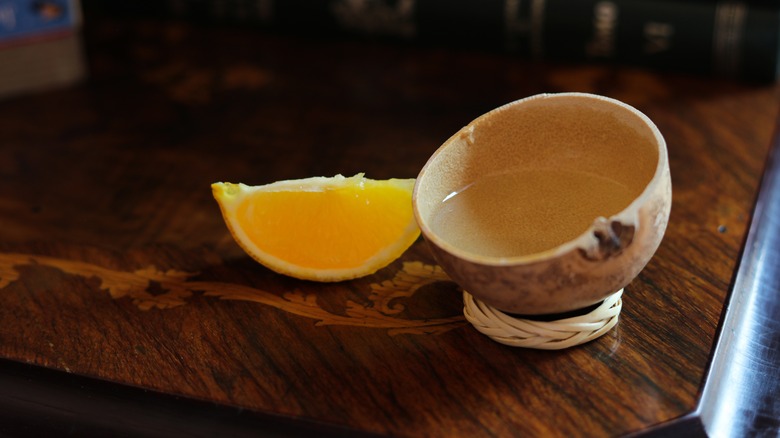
(545, 335)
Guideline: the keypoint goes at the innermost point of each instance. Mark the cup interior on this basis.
(554, 141)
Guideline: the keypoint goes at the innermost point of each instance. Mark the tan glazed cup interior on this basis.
(566, 132)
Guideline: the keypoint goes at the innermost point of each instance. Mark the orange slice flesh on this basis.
(322, 229)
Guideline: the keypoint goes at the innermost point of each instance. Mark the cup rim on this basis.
(627, 215)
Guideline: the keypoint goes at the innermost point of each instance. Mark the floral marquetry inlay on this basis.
(153, 288)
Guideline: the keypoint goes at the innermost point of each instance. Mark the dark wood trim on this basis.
(37, 401)
(740, 393)
(739, 396)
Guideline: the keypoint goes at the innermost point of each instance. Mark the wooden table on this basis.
(127, 308)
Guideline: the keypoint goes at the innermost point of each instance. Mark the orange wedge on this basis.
(322, 229)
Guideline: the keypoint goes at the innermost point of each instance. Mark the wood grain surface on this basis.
(115, 263)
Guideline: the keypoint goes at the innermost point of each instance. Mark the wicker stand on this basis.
(546, 335)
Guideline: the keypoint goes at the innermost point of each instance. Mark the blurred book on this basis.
(40, 45)
(732, 38)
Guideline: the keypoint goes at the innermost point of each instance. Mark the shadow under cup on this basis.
(547, 204)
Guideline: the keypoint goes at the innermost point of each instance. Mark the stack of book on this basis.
(40, 45)
(732, 38)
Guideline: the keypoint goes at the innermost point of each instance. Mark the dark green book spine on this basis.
(727, 37)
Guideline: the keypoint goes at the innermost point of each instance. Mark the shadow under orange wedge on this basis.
(321, 229)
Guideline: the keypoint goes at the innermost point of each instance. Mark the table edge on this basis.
(742, 380)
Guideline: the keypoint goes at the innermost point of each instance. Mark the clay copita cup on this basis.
(567, 132)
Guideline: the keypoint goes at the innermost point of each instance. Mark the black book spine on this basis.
(733, 38)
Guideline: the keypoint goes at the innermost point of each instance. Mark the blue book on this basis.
(40, 45)
(22, 19)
